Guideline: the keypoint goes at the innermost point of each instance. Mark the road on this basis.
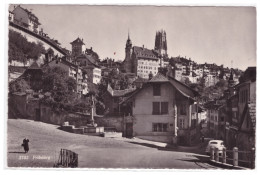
(94, 152)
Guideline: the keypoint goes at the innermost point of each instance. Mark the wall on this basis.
(116, 122)
(18, 101)
(31, 107)
(31, 38)
(58, 118)
(27, 109)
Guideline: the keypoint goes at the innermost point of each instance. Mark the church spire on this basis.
(231, 81)
(128, 42)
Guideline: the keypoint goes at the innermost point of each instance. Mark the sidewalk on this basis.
(198, 148)
(143, 142)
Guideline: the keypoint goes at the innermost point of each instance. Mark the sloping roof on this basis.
(34, 65)
(78, 41)
(62, 61)
(119, 93)
(145, 53)
(159, 77)
(89, 58)
(184, 89)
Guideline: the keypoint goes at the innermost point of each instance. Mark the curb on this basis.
(227, 166)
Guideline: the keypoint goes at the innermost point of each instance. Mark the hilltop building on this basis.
(77, 47)
(142, 61)
(26, 18)
(87, 59)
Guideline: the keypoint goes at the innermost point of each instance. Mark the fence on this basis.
(67, 158)
(234, 157)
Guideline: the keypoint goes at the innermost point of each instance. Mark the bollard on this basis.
(216, 154)
(224, 155)
(235, 156)
(211, 153)
(253, 158)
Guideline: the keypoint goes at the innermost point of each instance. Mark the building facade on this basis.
(142, 61)
(73, 71)
(77, 47)
(163, 110)
(26, 18)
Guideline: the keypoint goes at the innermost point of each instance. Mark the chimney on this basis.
(91, 48)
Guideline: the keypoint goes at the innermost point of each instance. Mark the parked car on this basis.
(215, 144)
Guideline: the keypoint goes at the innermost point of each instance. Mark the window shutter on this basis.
(164, 108)
(156, 108)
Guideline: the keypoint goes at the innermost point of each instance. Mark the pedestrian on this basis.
(25, 145)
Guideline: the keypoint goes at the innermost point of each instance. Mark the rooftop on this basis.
(142, 52)
(119, 93)
(78, 41)
(159, 77)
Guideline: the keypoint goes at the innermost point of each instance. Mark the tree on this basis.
(19, 85)
(57, 81)
(20, 48)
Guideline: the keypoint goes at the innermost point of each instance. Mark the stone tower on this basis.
(128, 53)
(77, 46)
(231, 83)
(161, 43)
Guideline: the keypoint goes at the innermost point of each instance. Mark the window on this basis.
(160, 127)
(164, 109)
(183, 110)
(181, 124)
(160, 108)
(156, 108)
(156, 90)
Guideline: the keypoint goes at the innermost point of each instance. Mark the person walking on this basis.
(25, 145)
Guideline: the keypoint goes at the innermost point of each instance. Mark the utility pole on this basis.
(92, 110)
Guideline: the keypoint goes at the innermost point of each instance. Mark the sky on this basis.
(205, 34)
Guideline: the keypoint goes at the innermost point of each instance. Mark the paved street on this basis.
(94, 152)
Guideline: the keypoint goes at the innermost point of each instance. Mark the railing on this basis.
(234, 157)
(67, 158)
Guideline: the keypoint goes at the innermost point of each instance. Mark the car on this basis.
(215, 144)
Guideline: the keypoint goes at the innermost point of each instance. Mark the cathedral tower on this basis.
(161, 43)
(128, 52)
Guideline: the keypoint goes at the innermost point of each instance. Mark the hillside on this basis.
(20, 49)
